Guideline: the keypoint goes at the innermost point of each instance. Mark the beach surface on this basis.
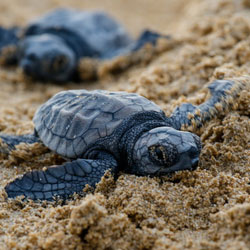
(208, 208)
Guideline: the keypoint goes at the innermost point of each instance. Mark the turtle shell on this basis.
(96, 28)
(72, 120)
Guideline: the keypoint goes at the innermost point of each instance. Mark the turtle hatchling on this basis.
(117, 131)
(49, 48)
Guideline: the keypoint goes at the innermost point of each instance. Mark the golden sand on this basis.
(205, 209)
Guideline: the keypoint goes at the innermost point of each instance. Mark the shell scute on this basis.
(72, 120)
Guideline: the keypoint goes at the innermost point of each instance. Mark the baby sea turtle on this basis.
(100, 130)
(51, 47)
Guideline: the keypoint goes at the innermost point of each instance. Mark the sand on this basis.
(205, 209)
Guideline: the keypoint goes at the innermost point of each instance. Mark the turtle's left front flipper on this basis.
(8, 45)
(61, 181)
(223, 94)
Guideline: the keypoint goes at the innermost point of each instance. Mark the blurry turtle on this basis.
(50, 48)
(100, 130)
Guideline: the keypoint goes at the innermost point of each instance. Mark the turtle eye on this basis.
(163, 155)
(158, 154)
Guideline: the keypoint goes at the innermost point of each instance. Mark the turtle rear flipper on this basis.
(60, 181)
(8, 45)
(8, 142)
(222, 92)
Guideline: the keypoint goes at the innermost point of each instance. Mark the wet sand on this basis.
(205, 209)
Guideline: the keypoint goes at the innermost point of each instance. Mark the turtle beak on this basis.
(194, 163)
(185, 163)
(26, 67)
(28, 64)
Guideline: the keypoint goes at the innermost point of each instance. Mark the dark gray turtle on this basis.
(51, 47)
(100, 130)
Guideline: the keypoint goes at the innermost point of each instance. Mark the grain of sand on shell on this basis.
(205, 209)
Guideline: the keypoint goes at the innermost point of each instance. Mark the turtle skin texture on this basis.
(100, 130)
(50, 47)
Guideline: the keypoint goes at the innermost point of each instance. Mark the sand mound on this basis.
(205, 209)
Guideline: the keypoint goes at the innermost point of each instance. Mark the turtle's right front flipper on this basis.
(223, 93)
(61, 181)
(8, 45)
(9, 142)
(148, 37)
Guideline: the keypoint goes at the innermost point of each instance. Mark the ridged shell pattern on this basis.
(72, 120)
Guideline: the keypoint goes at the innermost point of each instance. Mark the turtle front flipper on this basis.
(148, 37)
(8, 45)
(8, 142)
(60, 181)
(223, 93)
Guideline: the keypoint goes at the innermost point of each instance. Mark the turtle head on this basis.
(164, 150)
(46, 57)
